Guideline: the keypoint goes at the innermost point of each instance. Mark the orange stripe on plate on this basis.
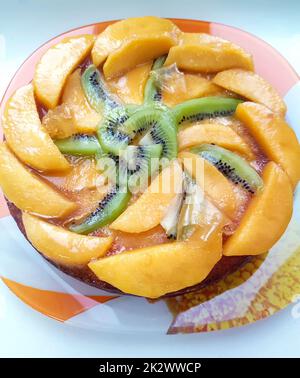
(98, 28)
(3, 207)
(60, 306)
(192, 26)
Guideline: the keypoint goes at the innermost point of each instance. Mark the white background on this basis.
(24, 25)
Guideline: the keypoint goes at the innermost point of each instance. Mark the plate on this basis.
(259, 289)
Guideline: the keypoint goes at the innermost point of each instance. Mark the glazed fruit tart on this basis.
(148, 161)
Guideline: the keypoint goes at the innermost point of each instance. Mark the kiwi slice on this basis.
(234, 167)
(111, 206)
(96, 90)
(206, 107)
(164, 132)
(79, 144)
(111, 138)
(170, 221)
(191, 209)
(121, 126)
(139, 162)
(152, 92)
(159, 62)
(197, 213)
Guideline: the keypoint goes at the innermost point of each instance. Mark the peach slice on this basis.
(267, 216)
(61, 245)
(136, 52)
(74, 115)
(200, 38)
(251, 86)
(214, 184)
(120, 32)
(27, 137)
(150, 208)
(203, 53)
(130, 87)
(27, 191)
(214, 133)
(56, 64)
(154, 271)
(273, 134)
(84, 117)
(194, 86)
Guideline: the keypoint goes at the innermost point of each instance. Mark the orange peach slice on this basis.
(194, 86)
(154, 271)
(203, 53)
(84, 117)
(200, 38)
(275, 137)
(214, 133)
(150, 208)
(130, 87)
(136, 52)
(27, 191)
(27, 137)
(61, 245)
(120, 32)
(214, 184)
(267, 216)
(56, 64)
(74, 115)
(251, 86)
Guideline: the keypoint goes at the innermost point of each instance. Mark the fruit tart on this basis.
(148, 161)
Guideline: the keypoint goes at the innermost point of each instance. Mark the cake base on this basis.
(224, 267)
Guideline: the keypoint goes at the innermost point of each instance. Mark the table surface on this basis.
(24, 25)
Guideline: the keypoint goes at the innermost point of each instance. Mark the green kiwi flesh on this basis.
(96, 90)
(111, 139)
(111, 206)
(140, 162)
(163, 132)
(79, 145)
(151, 92)
(206, 107)
(120, 128)
(233, 166)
